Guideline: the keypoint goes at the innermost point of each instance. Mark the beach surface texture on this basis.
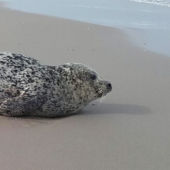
(128, 130)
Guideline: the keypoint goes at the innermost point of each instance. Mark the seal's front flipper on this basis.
(21, 105)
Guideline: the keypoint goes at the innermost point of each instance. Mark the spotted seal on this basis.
(28, 87)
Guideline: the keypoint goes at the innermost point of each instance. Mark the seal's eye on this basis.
(93, 77)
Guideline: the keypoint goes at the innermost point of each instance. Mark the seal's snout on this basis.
(109, 86)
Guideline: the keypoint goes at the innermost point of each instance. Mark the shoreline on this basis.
(147, 24)
(127, 32)
(128, 130)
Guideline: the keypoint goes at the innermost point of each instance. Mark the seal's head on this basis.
(83, 83)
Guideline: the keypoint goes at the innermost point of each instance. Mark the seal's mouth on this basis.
(103, 92)
(100, 93)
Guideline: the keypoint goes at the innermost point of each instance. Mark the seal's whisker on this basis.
(101, 100)
(100, 91)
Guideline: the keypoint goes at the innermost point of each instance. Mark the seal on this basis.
(28, 87)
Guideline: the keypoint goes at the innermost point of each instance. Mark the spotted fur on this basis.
(28, 87)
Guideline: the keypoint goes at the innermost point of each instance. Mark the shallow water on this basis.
(151, 17)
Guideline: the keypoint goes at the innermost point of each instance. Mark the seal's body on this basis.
(29, 88)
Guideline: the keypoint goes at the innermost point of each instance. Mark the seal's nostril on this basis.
(109, 86)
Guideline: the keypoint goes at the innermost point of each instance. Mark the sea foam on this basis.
(156, 2)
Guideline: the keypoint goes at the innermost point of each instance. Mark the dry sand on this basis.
(129, 130)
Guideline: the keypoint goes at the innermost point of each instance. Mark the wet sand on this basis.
(129, 130)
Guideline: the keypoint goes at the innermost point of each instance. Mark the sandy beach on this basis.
(128, 130)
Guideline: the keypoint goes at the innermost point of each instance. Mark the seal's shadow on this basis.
(105, 108)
